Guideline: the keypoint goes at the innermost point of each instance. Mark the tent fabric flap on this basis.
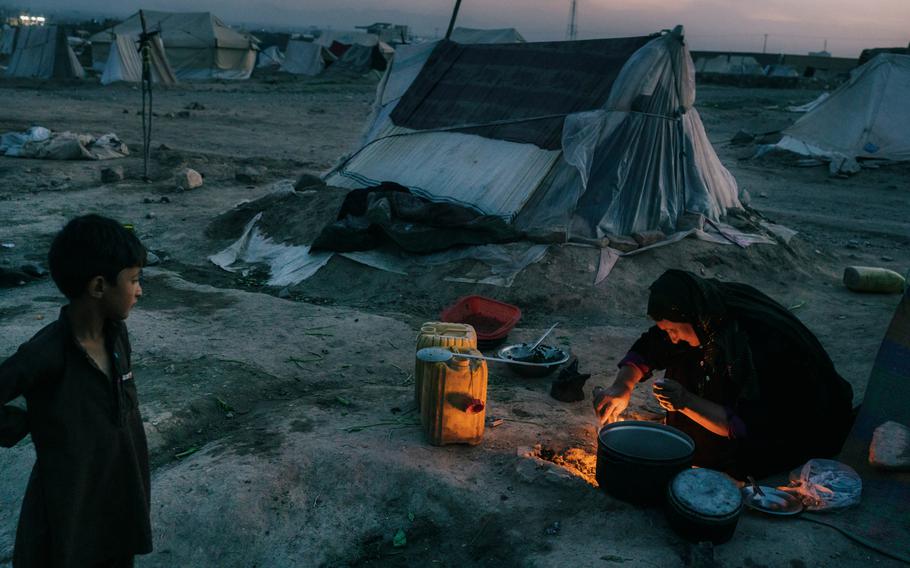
(43, 53)
(124, 62)
(303, 58)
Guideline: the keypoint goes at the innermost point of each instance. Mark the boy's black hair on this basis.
(90, 246)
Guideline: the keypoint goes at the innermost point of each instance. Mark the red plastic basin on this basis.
(491, 319)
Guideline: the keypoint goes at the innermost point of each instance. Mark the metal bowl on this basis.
(547, 357)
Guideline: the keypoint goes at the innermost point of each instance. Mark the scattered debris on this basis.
(183, 114)
(248, 174)
(400, 539)
(622, 243)
(553, 529)
(112, 175)
(648, 238)
(151, 259)
(306, 181)
(195, 106)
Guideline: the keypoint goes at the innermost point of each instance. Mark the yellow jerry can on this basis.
(440, 334)
(454, 400)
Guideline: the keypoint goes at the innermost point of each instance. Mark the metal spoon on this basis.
(542, 337)
(755, 486)
(441, 355)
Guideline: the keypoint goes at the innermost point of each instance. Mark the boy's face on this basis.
(120, 298)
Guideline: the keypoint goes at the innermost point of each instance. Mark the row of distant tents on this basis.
(193, 46)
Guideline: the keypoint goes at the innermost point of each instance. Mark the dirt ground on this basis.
(281, 423)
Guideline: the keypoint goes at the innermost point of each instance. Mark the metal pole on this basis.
(146, 84)
(454, 16)
(764, 46)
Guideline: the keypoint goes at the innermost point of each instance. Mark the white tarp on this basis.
(303, 58)
(866, 117)
(125, 62)
(729, 65)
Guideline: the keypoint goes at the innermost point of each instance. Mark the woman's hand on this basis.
(610, 402)
(671, 395)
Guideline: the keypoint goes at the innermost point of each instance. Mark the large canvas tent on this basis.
(43, 53)
(586, 138)
(198, 44)
(124, 63)
(7, 40)
(473, 35)
(866, 117)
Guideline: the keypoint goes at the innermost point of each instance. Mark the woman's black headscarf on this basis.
(712, 308)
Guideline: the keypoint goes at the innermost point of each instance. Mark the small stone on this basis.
(742, 137)
(195, 106)
(690, 221)
(33, 270)
(170, 115)
(112, 174)
(183, 114)
(147, 200)
(165, 199)
(888, 259)
(248, 174)
(622, 243)
(126, 111)
(307, 180)
(763, 194)
(151, 259)
(648, 238)
(189, 179)
(164, 147)
(149, 215)
(890, 447)
(284, 293)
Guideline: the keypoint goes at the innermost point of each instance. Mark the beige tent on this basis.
(43, 53)
(198, 44)
(303, 58)
(125, 63)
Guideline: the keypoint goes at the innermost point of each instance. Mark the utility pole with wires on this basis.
(572, 28)
(145, 51)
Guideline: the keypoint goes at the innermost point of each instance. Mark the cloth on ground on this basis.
(372, 216)
(882, 518)
(40, 143)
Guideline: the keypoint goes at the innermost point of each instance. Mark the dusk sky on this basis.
(793, 26)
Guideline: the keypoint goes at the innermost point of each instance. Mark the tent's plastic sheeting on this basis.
(641, 162)
(809, 105)
(503, 262)
(717, 233)
(866, 117)
(124, 63)
(493, 177)
(12, 143)
(328, 37)
(303, 58)
(549, 211)
(498, 35)
(403, 69)
(287, 265)
(269, 57)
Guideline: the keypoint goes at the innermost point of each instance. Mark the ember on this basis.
(577, 461)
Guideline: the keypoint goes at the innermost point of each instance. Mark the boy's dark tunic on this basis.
(88, 496)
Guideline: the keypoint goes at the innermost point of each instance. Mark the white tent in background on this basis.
(729, 65)
(303, 58)
(270, 57)
(780, 70)
(198, 44)
(867, 117)
(328, 37)
(124, 63)
(473, 35)
(43, 53)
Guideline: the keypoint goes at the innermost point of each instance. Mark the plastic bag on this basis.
(826, 485)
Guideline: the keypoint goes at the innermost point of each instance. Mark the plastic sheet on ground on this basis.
(288, 265)
(718, 233)
(40, 143)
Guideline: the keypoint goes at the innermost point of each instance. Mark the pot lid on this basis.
(706, 492)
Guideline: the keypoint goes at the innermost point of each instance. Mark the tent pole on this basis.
(454, 16)
(144, 50)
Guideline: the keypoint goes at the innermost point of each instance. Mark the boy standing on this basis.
(87, 501)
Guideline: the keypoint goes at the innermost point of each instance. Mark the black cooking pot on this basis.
(703, 504)
(636, 460)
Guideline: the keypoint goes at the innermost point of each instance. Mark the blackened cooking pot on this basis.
(636, 460)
